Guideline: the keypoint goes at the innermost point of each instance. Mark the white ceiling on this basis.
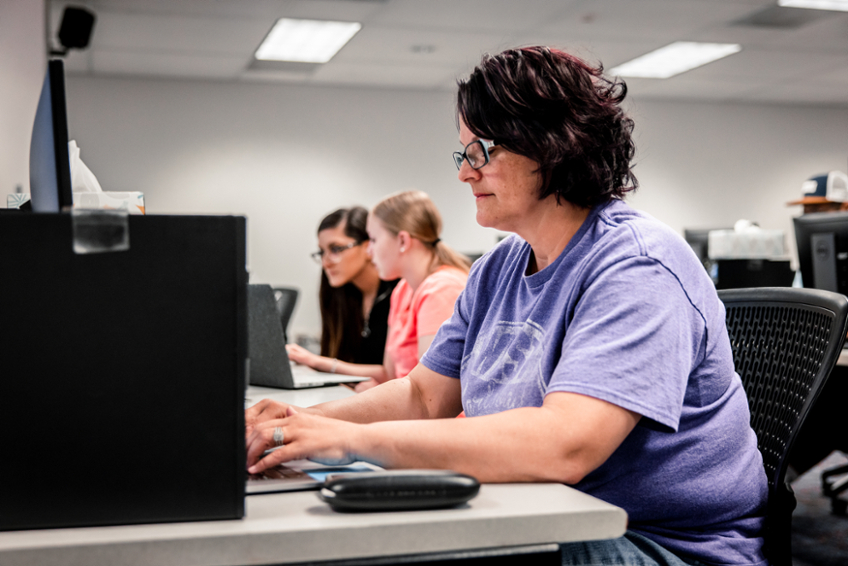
(788, 55)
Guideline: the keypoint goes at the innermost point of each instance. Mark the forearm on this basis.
(395, 400)
(374, 371)
(526, 444)
(497, 448)
(333, 365)
(423, 394)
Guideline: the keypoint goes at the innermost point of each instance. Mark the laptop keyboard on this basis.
(278, 473)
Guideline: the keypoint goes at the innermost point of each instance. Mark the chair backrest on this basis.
(785, 343)
(286, 298)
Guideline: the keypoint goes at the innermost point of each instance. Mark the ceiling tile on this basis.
(428, 44)
(182, 34)
(766, 65)
(608, 52)
(342, 10)
(167, 65)
(403, 76)
(418, 47)
(469, 16)
(660, 20)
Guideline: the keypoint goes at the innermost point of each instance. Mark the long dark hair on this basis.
(341, 307)
(560, 112)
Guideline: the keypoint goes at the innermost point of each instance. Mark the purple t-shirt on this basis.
(626, 314)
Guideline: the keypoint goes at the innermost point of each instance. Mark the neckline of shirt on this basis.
(541, 277)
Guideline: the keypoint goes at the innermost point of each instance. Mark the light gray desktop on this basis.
(290, 528)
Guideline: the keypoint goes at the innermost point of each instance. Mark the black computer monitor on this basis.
(49, 163)
(822, 240)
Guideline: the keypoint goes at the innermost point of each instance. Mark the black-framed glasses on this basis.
(334, 252)
(476, 153)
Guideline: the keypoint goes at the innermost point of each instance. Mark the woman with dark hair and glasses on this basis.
(354, 300)
(588, 348)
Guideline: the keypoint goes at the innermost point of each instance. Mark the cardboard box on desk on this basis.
(141, 403)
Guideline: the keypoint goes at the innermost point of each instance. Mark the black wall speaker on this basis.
(75, 30)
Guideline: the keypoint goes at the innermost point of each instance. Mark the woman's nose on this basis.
(466, 173)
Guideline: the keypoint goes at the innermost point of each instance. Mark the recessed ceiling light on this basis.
(836, 5)
(305, 41)
(675, 58)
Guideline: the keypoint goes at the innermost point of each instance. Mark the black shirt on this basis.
(373, 343)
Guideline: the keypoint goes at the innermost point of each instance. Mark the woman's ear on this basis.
(404, 240)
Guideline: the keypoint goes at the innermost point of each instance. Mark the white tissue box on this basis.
(754, 244)
(16, 200)
(132, 202)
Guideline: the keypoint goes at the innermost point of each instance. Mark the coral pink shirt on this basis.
(412, 315)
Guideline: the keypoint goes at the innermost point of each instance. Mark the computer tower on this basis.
(123, 373)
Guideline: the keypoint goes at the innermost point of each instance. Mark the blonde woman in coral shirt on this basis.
(403, 231)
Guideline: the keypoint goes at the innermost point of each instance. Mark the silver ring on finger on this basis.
(279, 437)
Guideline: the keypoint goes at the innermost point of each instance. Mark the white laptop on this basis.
(269, 362)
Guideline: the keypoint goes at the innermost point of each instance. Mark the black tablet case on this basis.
(122, 374)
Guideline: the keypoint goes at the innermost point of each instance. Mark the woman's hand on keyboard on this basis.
(305, 436)
(264, 410)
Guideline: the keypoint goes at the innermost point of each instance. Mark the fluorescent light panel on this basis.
(675, 58)
(305, 41)
(834, 5)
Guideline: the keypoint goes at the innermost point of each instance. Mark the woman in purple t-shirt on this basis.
(588, 348)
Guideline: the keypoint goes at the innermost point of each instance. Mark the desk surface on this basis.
(298, 397)
(298, 527)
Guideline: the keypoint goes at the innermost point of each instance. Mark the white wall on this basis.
(286, 155)
(708, 165)
(22, 68)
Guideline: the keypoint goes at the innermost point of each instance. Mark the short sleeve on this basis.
(446, 352)
(633, 341)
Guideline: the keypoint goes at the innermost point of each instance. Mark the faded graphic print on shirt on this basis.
(510, 366)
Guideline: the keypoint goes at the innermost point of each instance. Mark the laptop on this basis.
(269, 362)
(300, 475)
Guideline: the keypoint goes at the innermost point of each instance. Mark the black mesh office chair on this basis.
(785, 343)
(286, 298)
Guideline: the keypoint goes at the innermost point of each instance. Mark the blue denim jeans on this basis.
(630, 550)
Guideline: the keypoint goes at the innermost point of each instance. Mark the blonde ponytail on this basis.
(414, 212)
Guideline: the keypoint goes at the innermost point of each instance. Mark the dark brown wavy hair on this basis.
(560, 112)
(341, 307)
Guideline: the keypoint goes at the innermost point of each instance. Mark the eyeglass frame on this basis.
(460, 157)
(334, 251)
